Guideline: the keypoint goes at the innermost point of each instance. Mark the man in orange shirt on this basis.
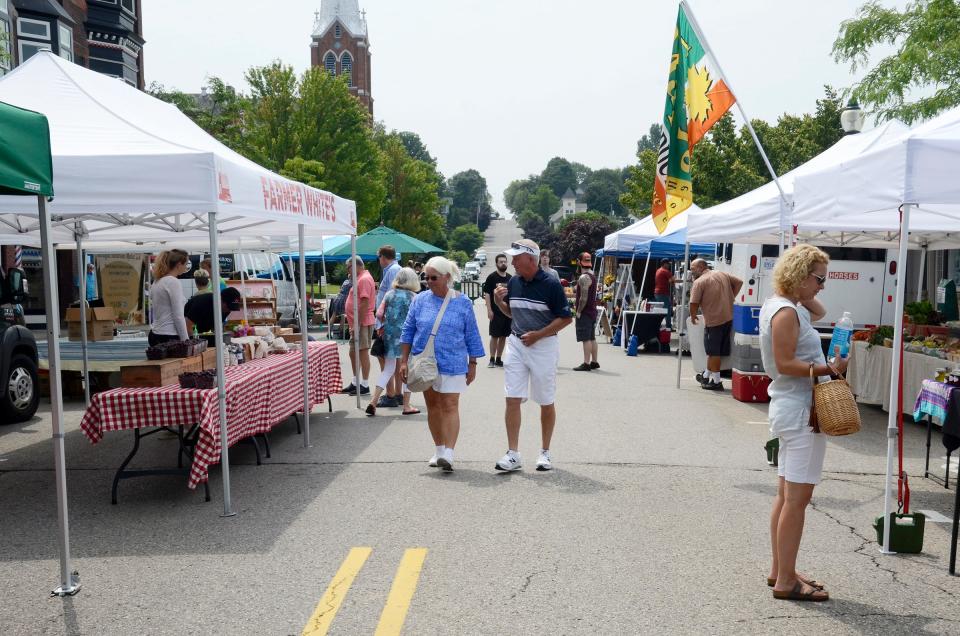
(713, 293)
(366, 294)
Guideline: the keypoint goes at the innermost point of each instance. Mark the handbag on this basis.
(834, 409)
(422, 371)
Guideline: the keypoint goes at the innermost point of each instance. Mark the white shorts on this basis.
(531, 372)
(450, 384)
(800, 459)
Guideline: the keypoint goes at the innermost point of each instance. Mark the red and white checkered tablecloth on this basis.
(259, 395)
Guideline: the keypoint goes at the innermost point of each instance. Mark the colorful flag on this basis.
(696, 98)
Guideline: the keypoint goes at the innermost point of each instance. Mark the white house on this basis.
(570, 203)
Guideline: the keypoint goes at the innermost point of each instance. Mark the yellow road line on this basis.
(404, 584)
(327, 608)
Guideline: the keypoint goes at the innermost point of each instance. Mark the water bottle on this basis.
(842, 333)
(634, 346)
(617, 334)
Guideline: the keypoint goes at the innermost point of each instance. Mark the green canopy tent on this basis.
(369, 243)
(26, 168)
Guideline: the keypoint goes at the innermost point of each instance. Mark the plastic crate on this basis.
(746, 358)
(746, 319)
(750, 386)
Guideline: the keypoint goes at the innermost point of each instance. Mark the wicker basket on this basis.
(836, 408)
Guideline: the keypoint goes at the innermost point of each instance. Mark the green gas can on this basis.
(906, 532)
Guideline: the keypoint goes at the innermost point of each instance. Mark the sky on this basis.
(503, 86)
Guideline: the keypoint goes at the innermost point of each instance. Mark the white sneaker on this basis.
(445, 461)
(433, 461)
(509, 462)
(543, 461)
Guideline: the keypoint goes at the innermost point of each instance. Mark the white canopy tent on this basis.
(128, 167)
(911, 178)
(755, 217)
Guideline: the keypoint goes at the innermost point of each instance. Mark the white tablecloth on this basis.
(869, 374)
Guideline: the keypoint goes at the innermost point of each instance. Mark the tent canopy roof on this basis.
(369, 243)
(672, 246)
(136, 167)
(622, 242)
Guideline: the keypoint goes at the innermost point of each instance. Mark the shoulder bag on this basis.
(422, 371)
(834, 410)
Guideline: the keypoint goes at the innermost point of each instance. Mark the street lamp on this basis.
(851, 118)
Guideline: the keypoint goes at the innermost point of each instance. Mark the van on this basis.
(481, 257)
(860, 280)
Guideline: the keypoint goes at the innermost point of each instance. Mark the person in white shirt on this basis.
(166, 296)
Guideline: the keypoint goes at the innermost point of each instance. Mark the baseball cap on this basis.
(586, 259)
(523, 246)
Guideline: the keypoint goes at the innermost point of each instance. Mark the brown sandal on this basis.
(797, 594)
(816, 584)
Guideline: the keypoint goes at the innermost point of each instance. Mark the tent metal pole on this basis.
(323, 269)
(303, 342)
(82, 278)
(920, 275)
(356, 316)
(895, 379)
(623, 297)
(682, 324)
(221, 382)
(69, 581)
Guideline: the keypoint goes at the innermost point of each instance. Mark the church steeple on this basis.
(339, 45)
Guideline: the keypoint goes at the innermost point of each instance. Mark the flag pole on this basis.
(756, 140)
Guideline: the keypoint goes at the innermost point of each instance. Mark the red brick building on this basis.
(340, 45)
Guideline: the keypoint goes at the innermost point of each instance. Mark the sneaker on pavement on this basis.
(364, 390)
(433, 461)
(492, 364)
(509, 462)
(712, 386)
(543, 461)
(583, 367)
(350, 389)
(385, 401)
(499, 362)
(699, 378)
(594, 365)
(445, 461)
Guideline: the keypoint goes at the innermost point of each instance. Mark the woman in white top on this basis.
(166, 297)
(791, 350)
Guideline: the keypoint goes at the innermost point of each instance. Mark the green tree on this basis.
(271, 128)
(468, 189)
(412, 201)
(638, 188)
(543, 203)
(581, 173)
(559, 175)
(458, 256)
(582, 233)
(334, 129)
(415, 147)
(304, 171)
(650, 141)
(466, 237)
(602, 191)
(927, 39)
(518, 193)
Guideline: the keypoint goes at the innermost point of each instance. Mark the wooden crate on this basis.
(209, 359)
(193, 364)
(151, 373)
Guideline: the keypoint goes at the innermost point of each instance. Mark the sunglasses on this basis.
(523, 248)
(434, 278)
(820, 279)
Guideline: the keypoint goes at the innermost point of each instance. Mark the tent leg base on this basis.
(68, 590)
(882, 551)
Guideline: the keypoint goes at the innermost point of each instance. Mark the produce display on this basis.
(198, 380)
(945, 347)
(177, 349)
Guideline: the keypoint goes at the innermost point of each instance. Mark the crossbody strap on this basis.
(428, 350)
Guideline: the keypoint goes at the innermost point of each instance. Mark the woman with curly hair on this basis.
(792, 354)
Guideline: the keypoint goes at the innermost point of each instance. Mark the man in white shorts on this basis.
(538, 308)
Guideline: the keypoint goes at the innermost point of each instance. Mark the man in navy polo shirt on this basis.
(538, 308)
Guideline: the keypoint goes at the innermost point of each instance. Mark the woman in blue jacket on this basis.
(457, 347)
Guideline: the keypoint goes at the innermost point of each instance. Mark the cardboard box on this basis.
(292, 337)
(100, 323)
(152, 373)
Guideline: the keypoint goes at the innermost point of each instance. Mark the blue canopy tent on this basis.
(672, 246)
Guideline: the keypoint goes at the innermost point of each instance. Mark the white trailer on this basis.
(860, 280)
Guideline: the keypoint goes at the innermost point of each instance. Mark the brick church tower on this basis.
(340, 45)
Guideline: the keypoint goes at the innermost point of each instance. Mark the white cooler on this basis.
(697, 353)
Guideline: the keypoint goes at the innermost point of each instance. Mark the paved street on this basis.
(654, 520)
